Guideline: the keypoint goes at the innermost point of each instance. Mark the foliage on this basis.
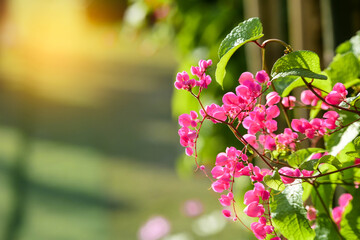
(301, 184)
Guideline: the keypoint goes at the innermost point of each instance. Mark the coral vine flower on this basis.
(311, 213)
(337, 212)
(289, 102)
(289, 172)
(260, 228)
(337, 95)
(272, 98)
(226, 200)
(309, 98)
(226, 213)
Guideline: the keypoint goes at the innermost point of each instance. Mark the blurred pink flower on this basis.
(193, 208)
(155, 228)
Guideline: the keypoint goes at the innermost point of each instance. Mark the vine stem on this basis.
(327, 211)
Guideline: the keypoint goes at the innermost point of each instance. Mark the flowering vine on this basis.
(251, 113)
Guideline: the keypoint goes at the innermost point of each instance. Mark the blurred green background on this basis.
(88, 138)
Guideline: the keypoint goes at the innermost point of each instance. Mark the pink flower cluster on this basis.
(335, 97)
(183, 80)
(255, 209)
(337, 212)
(317, 126)
(228, 165)
(188, 136)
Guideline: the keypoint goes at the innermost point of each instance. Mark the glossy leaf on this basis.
(300, 156)
(289, 215)
(338, 140)
(274, 181)
(324, 228)
(247, 31)
(343, 68)
(290, 67)
(314, 163)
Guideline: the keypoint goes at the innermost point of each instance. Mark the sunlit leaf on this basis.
(289, 215)
(274, 181)
(290, 67)
(247, 31)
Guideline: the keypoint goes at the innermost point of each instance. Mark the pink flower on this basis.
(226, 213)
(307, 173)
(337, 212)
(272, 98)
(289, 172)
(262, 76)
(250, 196)
(260, 228)
(225, 200)
(289, 102)
(330, 119)
(251, 139)
(155, 228)
(311, 213)
(287, 139)
(215, 111)
(246, 76)
(337, 95)
(220, 185)
(183, 81)
(254, 209)
(309, 98)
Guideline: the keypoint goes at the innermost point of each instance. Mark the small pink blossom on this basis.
(289, 172)
(250, 196)
(251, 139)
(262, 76)
(337, 95)
(226, 200)
(311, 213)
(272, 98)
(183, 81)
(288, 102)
(226, 213)
(260, 228)
(254, 209)
(220, 185)
(337, 212)
(309, 98)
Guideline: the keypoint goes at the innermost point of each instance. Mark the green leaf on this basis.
(307, 190)
(298, 82)
(338, 140)
(274, 181)
(313, 164)
(343, 68)
(355, 154)
(247, 31)
(288, 68)
(300, 156)
(324, 228)
(289, 215)
(353, 45)
(357, 143)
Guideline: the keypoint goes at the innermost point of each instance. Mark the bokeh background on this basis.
(88, 132)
